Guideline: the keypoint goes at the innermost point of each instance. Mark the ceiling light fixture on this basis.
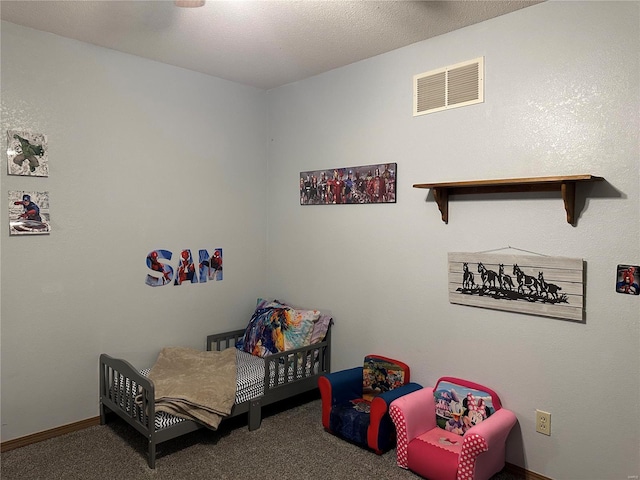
(189, 3)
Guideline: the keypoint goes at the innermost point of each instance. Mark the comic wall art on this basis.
(349, 185)
(183, 270)
(29, 213)
(27, 153)
(628, 279)
(537, 285)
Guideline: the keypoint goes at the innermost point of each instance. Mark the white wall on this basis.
(142, 156)
(147, 156)
(562, 94)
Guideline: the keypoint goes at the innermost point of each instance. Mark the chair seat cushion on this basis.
(351, 420)
(435, 454)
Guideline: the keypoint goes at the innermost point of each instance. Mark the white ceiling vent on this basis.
(449, 87)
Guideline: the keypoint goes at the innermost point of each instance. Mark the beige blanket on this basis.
(195, 385)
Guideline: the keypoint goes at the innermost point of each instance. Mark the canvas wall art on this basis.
(349, 185)
(27, 153)
(538, 285)
(28, 213)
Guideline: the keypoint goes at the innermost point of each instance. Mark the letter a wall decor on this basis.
(537, 285)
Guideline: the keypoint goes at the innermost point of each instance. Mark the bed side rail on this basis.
(303, 364)
(126, 392)
(222, 341)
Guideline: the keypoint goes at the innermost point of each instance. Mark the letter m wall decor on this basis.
(537, 285)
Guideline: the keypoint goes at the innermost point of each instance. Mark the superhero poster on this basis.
(27, 153)
(628, 279)
(349, 185)
(28, 213)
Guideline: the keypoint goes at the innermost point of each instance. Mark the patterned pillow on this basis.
(300, 323)
(461, 405)
(260, 304)
(263, 302)
(320, 329)
(381, 374)
(298, 328)
(276, 327)
(263, 336)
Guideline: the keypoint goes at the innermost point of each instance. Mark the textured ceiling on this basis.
(260, 43)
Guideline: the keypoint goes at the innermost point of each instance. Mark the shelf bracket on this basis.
(441, 196)
(568, 190)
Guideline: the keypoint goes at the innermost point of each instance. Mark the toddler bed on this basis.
(263, 377)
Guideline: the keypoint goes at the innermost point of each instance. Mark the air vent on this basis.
(449, 87)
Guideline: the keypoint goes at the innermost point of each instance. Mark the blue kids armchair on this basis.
(355, 402)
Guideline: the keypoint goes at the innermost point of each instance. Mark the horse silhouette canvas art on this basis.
(538, 285)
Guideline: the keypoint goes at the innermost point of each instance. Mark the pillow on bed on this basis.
(299, 328)
(300, 324)
(264, 302)
(320, 329)
(254, 323)
(276, 327)
(264, 335)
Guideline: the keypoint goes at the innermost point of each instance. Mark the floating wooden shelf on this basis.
(565, 184)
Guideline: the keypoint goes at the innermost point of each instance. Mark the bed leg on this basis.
(255, 415)
(103, 416)
(152, 455)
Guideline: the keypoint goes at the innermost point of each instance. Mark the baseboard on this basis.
(47, 434)
(525, 474)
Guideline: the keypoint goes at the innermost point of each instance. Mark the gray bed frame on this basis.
(137, 407)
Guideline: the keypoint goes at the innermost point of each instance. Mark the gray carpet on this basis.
(291, 444)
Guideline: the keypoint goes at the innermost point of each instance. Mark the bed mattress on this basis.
(249, 379)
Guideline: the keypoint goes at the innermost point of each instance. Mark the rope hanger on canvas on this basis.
(509, 247)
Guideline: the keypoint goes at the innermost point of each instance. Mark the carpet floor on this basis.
(290, 444)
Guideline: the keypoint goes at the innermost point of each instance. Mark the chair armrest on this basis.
(339, 387)
(483, 446)
(417, 410)
(345, 384)
(380, 404)
(494, 429)
(380, 423)
(413, 414)
(398, 392)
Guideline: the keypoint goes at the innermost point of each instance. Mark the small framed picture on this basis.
(628, 279)
(27, 153)
(28, 213)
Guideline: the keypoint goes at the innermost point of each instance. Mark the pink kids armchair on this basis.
(355, 402)
(456, 430)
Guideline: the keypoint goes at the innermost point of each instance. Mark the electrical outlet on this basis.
(543, 422)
